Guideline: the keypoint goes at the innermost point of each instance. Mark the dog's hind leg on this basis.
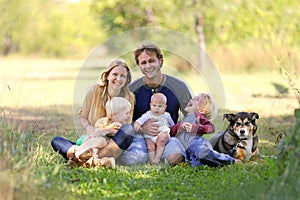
(214, 139)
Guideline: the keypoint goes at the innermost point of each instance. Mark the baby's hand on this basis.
(137, 126)
(198, 122)
(110, 131)
(117, 125)
(187, 126)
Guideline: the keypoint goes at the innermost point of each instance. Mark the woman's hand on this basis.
(103, 132)
(110, 131)
(97, 132)
(187, 126)
(150, 127)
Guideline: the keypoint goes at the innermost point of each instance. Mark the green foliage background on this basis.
(47, 28)
(62, 29)
(229, 21)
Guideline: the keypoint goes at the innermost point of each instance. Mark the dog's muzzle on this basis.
(243, 132)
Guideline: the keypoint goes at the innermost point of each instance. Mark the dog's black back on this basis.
(225, 141)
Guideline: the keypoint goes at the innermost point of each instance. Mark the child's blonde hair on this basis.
(116, 105)
(210, 105)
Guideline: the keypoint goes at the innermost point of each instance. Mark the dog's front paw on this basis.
(238, 162)
(232, 152)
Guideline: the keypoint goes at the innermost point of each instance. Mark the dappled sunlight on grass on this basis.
(37, 82)
(153, 182)
(266, 143)
(256, 92)
(51, 119)
(20, 93)
(267, 148)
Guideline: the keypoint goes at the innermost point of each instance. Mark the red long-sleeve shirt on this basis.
(200, 126)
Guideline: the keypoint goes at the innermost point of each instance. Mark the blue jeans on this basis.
(173, 146)
(137, 152)
(61, 145)
(123, 138)
(200, 152)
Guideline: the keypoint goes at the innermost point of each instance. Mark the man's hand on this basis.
(151, 127)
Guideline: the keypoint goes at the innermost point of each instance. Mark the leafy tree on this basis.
(52, 28)
(224, 21)
(119, 15)
(12, 22)
(59, 28)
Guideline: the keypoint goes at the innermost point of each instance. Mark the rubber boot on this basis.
(175, 159)
(105, 162)
(110, 150)
(71, 152)
(73, 160)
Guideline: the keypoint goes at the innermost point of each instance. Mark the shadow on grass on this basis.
(55, 118)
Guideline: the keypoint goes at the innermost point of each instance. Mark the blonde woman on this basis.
(114, 82)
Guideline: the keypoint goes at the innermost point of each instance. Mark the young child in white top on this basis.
(156, 144)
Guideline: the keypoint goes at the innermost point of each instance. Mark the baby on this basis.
(156, 144)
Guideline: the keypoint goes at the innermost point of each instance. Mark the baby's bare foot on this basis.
(155, 162)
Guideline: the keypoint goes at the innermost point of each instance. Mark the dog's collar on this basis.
(240, 145)
(234, 136)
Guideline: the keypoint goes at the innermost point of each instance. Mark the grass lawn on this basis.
(37, 103)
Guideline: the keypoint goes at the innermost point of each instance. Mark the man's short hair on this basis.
(147, 47)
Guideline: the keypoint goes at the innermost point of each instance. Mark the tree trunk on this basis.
(7, 45)
(200, 34)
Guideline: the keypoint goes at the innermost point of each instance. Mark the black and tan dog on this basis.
(240, 138)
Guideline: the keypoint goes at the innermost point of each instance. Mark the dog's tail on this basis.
(272, 156)
(262, 157)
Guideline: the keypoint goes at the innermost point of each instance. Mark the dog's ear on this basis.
(229, 117)
(254, 115)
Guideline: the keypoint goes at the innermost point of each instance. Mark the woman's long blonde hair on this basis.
(102, 91)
